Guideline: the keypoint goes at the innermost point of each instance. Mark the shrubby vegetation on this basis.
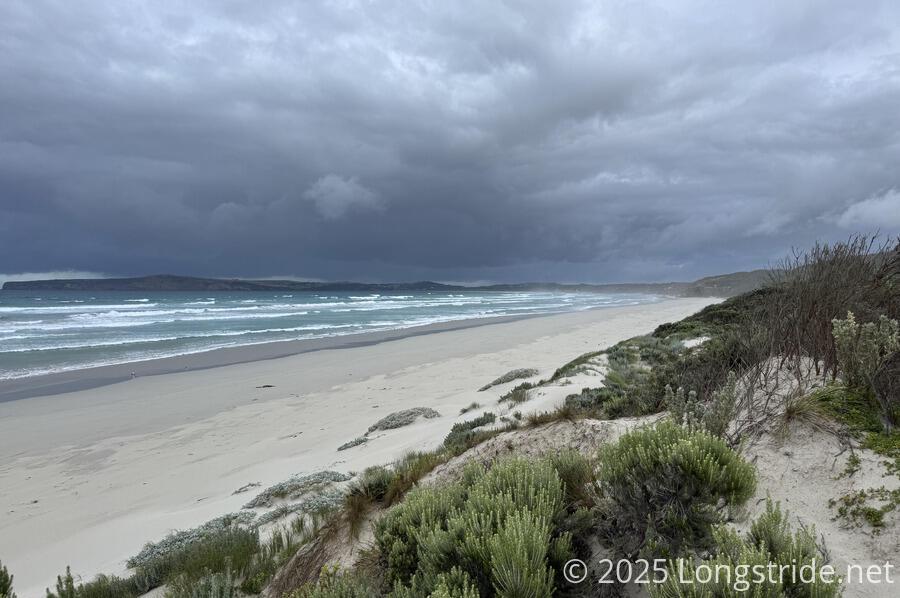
(333, 583)
(507, 530)
(207, 565)
(510, 376)
(296, 487)
(209, 585)
(769, 542)
(6, 588)
(663, 488)
(498, 531)
(789, 322)
(863, 351)
(463, 434)
(403, 418)
(714, 416)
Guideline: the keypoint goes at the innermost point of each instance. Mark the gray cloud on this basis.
(408, 140)
(334, 196)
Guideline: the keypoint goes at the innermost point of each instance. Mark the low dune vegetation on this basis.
(818, 346)
(6, 588)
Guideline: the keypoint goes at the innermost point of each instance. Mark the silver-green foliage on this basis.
(863, 351)
(664, 487)
(102, 586)
(333, 583)
(295, 487)
(179, 540)
(210, 585)
(398, 419)
(495, 532)
(744, 564)
(510, 376)
(714, 416)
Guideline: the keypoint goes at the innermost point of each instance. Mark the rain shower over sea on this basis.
(56, 331)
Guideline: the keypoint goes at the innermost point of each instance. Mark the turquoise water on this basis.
(59, 331)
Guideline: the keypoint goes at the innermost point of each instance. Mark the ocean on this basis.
(56, 331)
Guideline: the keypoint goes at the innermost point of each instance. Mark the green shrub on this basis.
(6, 587)
(576, 473)
(768, 543)
(495, 532)
(279, 548)
(463, 432)
(510, 376)
(371, 487)
(408, 470)
(373, 483)
(180, 539)
(209, 585)
(333, 583)
(664, 487)
(232, 549)
(863, 351)
(517, 395)
(714, 416)
(102, 586)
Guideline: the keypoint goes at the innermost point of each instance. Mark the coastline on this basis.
(87, 477)
(85, 379)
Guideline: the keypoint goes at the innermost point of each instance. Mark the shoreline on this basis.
(55, 383)
(87, 477)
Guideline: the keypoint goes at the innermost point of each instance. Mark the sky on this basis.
(453, 141)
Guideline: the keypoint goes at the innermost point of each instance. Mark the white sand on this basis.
(88, 477)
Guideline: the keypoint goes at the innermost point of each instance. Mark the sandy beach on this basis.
(89, 476)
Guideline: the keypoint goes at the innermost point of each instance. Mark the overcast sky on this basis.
(571, 141)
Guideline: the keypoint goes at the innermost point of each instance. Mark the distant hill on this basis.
(713, 286)
(727, 285)
(169, 282)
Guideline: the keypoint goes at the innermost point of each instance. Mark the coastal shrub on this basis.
(715, 416)
(232, 549)
(296, 487)
(517, 395)
(209, 585)
(373, 483)
(869, 506)
(495, 532)
(372, 486)
(333, 583)
(462, 432)
(355, 442)
(279, 548)
(510, 376)
(402, 418)
(768, 546)
(6, 587)
(408, 470)
(576, 472)
(825, 282)
(102, 586)
(863, 351)
(152, 551)
(469, 407)
(664, 487)
(575, 366)
(563, 412)
(637, 372)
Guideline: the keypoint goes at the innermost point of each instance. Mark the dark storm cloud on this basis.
(476, 140)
